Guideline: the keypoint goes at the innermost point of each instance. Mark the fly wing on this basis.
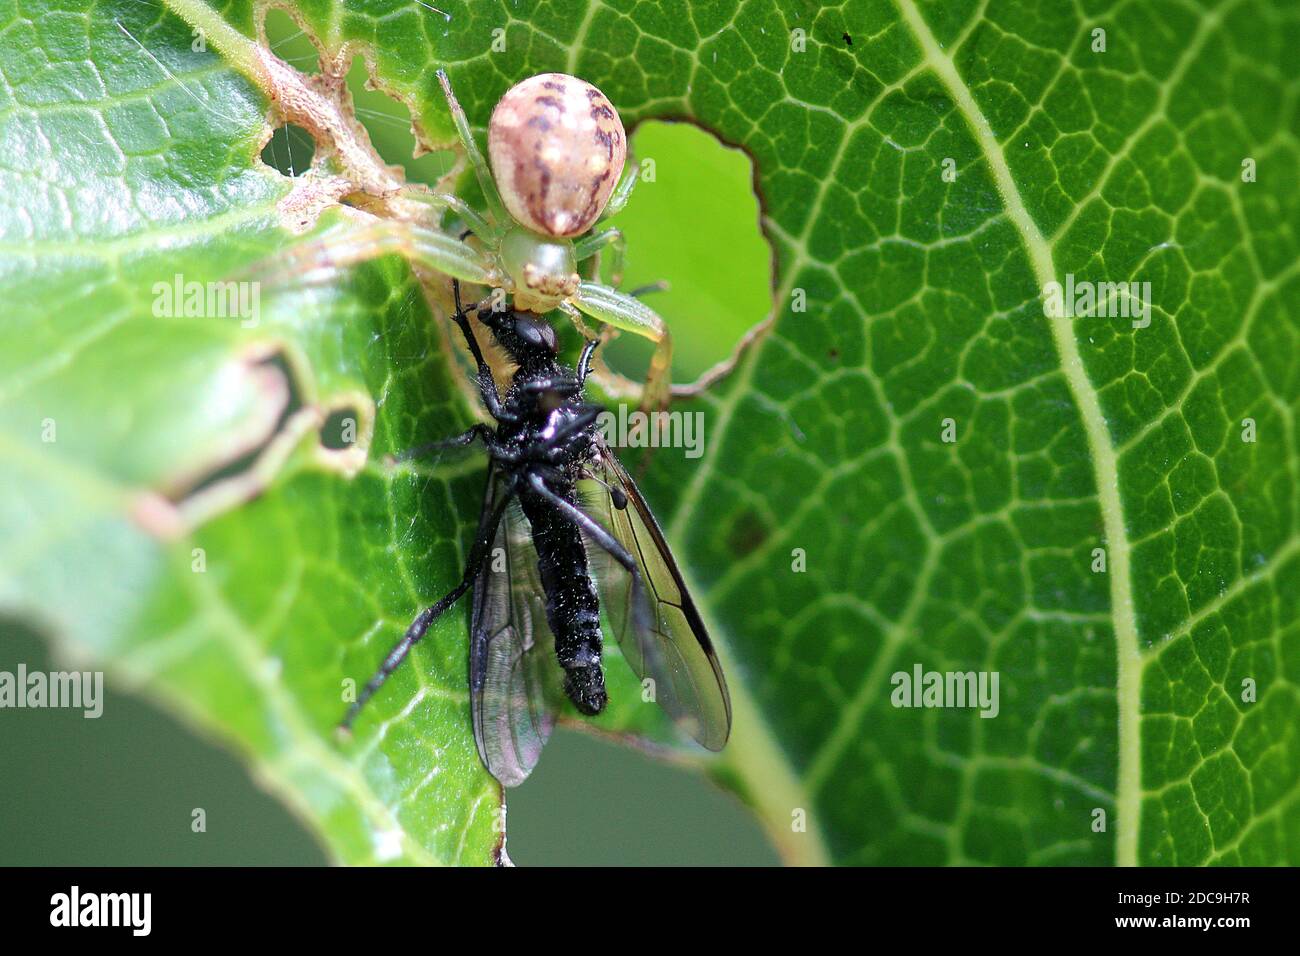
(651, 613)
(515, 687)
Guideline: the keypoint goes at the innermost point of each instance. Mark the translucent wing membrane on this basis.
(651, 613)
(515, 682)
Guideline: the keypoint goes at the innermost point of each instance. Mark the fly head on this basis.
(526, 337)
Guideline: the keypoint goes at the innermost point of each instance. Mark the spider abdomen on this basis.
(557, 149)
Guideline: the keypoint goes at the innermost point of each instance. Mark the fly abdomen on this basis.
(572, 605)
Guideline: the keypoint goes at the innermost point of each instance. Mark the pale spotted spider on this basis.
(558, 151)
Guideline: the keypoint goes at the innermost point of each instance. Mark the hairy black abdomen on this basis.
(572, 605)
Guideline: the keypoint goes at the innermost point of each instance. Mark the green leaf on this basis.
(902, 298)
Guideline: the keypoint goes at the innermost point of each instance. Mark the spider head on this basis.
(542, 270)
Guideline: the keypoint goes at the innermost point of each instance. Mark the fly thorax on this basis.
(544, 271)
(557, 420)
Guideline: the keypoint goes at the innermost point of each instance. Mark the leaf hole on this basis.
(345, 433)
(289, 40)
(289, 151)
(340, 429)
(386, 118)
(392, 131)
(694, 222)
(282, 386)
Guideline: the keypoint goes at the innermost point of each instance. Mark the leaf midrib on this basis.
(1128, 658)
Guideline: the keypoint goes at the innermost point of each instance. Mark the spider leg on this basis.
(660, 286)
(589, 247)
(622, 191)
(612, 383)
(473, 566)
(481, 169)
(579, 323)
(476, 224)
(617, 258)
(592, 243)
(622, 311)
(317, 261)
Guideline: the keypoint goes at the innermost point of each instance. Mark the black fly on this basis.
(571, 530)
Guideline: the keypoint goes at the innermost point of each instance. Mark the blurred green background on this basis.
(120, 790)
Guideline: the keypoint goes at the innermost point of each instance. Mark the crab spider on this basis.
(558, 151)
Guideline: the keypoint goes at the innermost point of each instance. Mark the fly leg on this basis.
(587, 415)
(560, 446)
(584, 360)
(487, 530)
(463, 440)
(588, 524)
(568, 387)
(564, 386)
(487, 385)
(622, 311)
